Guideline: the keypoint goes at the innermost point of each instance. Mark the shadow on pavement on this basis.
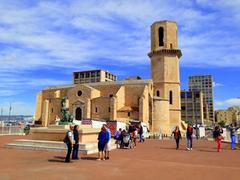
(171, 148)
(89, 158)
(59, 157)
(56, 160)
(205, 150)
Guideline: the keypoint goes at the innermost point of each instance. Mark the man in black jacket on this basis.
(76, 142)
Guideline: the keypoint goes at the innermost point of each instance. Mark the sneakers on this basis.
(188, 149)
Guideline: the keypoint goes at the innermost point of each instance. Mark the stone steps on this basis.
(54, 146)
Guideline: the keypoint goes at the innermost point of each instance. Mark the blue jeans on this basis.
(141, 137)
(233, 142)
(189, 142)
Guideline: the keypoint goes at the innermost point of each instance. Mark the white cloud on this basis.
(78, 32)
(85, 34)
(13, 85)
(17, 108)
(215, 84)
(227, 103)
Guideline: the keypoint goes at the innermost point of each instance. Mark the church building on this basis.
(98, 95)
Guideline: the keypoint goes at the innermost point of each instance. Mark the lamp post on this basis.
(10, 109)
(194, 113)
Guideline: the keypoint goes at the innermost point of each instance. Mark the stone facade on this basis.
(155, 102)
(228, 116)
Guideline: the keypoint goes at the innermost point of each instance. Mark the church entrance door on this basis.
(78, 113)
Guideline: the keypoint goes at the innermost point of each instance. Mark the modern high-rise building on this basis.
(193, 108)
(92, 76)
(203, 83)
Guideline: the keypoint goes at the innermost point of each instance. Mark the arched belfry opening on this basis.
(158, 93)
(161, 36)
(78, 114)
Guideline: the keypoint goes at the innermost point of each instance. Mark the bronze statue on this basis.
(67, 118)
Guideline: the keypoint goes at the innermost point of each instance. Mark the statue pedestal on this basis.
(58, 132)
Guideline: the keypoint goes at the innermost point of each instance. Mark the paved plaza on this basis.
(153, 159)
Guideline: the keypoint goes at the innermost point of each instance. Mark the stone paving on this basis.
(153, 159)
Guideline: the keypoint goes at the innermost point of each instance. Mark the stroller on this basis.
(127, 141)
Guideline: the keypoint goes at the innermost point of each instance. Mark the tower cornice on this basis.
(166, 51)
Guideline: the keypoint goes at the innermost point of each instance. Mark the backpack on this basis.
(66, 138)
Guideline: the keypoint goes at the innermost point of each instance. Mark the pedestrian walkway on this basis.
(153, 159)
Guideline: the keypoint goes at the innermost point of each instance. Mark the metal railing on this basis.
(11, 130)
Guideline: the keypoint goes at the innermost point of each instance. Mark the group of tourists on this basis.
(104, 139)
(133, 132)
(125, 137)
(217, 135)
(72, 141)
(177, 136)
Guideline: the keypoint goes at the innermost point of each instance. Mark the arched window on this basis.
(161, 36)
(158, 93)
(96, 109)
(170, 97)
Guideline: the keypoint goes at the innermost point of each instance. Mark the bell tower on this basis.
(164, 57)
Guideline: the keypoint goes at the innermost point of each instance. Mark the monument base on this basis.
(58, 132)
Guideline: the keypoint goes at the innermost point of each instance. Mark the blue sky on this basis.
(42, 42)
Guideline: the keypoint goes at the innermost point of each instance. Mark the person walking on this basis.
(177, 136)
(140, 131)
(76, 142)
(117, 137)
(108, 144)
(102, 140)
(69, 142)
(218, 137)
(134, 135)
(189, 137)
(233, 129)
